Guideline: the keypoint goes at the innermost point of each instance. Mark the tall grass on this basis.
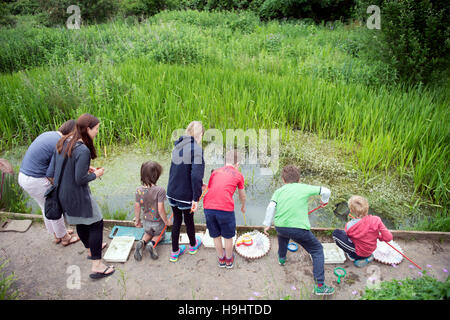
(144, 81)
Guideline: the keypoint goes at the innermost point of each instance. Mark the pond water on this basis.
(115, 190)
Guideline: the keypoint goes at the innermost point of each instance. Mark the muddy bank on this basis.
(45, 271)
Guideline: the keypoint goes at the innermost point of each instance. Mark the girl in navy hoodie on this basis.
(185, 186)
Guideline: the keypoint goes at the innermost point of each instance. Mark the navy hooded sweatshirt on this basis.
(186, 171)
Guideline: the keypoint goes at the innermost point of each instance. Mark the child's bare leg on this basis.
(229, 247)
(219, 247)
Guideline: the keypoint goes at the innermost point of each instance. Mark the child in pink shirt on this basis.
(359, 240)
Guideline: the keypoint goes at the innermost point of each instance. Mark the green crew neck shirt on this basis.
(292, 205)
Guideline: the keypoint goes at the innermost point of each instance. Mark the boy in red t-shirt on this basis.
(218, 206)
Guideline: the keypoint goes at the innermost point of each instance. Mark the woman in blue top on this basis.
(33, 178)
(79, 208)
(185, 186)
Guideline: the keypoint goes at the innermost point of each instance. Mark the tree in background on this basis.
(414, 38)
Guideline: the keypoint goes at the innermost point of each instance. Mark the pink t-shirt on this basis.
(221, 187)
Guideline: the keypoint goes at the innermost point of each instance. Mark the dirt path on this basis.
(43, 271)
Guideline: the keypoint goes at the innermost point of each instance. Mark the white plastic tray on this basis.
(184, 239)
(333, 254)
(208, 242)
(119, 249)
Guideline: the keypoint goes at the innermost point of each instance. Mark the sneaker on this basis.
(174, 255)
(324, 290)
(152, 250)
(229, 262)
(281, 261)
(222, 262)
(138, 251)
(349, 258)
(363, 262)
(194, 249)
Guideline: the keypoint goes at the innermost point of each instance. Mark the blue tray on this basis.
(167, 238)
(137, 233)
(120, 231)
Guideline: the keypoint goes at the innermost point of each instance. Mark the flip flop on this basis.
(99, 275)
(70, 241)
(104, 244)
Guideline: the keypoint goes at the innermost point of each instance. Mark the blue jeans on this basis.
(308, 241)
(344, 242)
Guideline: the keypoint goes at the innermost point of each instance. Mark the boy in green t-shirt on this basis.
(289, 205)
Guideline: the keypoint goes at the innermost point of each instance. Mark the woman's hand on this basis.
(194, 206)
(99, 172)
(91, 169)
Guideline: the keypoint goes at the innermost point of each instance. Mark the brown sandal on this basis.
(58, 240)
(70, 241)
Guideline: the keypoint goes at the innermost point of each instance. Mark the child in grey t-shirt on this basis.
(150, 202)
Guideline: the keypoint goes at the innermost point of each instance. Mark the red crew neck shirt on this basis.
(221, 187)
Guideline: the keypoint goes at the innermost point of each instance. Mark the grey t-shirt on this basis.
(39, 153)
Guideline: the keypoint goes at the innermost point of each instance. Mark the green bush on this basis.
(318, 10)
(414, 38)
(23, 7)
(142, 7)
(6, 19)
(423, 288)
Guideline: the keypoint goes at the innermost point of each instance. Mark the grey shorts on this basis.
(153, 228)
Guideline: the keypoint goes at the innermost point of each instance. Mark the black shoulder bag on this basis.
(53, 209)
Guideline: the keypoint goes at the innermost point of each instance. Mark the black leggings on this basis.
(92, 237)
(190, 227)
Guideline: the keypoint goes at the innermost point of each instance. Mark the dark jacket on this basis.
(186, 170)
(74, 192)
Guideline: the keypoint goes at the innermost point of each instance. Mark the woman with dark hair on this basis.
(72, 161)
(33, 179)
